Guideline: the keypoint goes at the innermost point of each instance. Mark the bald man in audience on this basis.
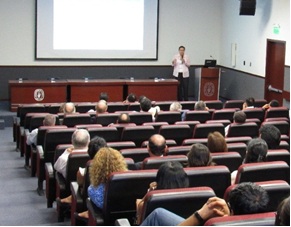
(101, 107)
(69, 108)
(123, 119)
(157, 147)
(31, 138)
(80, 142)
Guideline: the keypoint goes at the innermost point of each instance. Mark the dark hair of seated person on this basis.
(172, 175)
(239, 117)
(199, 155)
(256, 151)
(272, 135)
(250, 101)
(131, 97)
(274, 103)
(103, 96)
(248, 198)
(283, 213)
(94, 146)
(145, 104)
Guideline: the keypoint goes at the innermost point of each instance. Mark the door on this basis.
(275, 63)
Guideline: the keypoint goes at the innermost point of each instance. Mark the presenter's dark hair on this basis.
(182, 47)
(172, 175)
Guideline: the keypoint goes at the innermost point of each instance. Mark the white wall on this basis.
(192, 23)
(250, 33)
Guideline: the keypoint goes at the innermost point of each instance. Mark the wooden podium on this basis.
(207, 84)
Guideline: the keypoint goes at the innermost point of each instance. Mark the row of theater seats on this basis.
(124, 187)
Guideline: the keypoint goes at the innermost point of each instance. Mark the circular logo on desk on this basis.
(209, 89)
(38, 95)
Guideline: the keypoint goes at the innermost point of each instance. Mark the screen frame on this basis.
(36, 57)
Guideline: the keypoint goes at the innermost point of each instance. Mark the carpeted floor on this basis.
(19, 202)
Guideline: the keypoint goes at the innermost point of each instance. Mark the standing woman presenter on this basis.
(181, 64)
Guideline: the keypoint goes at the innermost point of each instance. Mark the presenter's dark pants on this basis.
(182, 87)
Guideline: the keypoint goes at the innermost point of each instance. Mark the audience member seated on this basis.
(49, 120)
(239, 117)
(245, 198)
(157, 147)
(176, 106)
(105, 162)
(216, 142)
(123, 119)
(273, 103)
(271, 135)
(249, 103)
(103, 96)
(131, 98)
(80, 141)
(256, 152)
(200, 105)
(146, 106)
(199, 155)
(169, 176)
(283, 213)
(94, 146)
(69, 108)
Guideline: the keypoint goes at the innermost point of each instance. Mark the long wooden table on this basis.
(35, 91)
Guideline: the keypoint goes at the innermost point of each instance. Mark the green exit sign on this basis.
(276, 29)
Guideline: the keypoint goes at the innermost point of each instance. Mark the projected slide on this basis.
(97, 29)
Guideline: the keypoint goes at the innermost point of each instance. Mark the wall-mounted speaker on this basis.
(247, 7)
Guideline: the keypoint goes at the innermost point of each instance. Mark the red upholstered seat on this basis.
(246, 129)
(176, 132)
(277, 112)
(168, 116)
(234, 104)
(202, 130)
(156, 162)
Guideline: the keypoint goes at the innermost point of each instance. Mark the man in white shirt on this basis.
(181, 64)
(49, 120)
(249, 103)
(80, 141)
(146, 106)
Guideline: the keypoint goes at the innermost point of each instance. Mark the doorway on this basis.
(275, 63)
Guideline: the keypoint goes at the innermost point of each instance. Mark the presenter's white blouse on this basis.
(179, 67)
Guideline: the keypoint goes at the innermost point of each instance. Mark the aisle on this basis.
(19, 202)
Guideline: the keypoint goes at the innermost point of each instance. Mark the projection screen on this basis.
(97, 29)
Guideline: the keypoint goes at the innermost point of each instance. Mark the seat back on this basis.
(29, 108)
(198, 115)
(110, 134)
(238, 139)
(232, 160)
(191, 124)
(262, 219)
(156, 162)
(71, 120)
(54, 137)
(106, 118)
(277, 112)
(188, 105)
(215, 177)
(263, 171)
(225, 122)
(241, 148)
(134, 107)
(85, 107)
(276, 189)
(202, 130)
(137, 154)
(121, 145)
(122, 190)
(164, 106)
(181, 201)
(258, 113)
(42, 131)
(168, 116)
(176, 132)
(179, 150)
(29, 116)
(189, 142)
(120, 127)
(156, 125)
(140, 118)
(169, 143)
(234, 104)
(224, 114)
(279, 155)
(246, 129)
(137, 134)
(53, 108)
(260, 102)
(214, 104)
(117, 106)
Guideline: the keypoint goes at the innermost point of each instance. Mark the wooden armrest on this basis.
(40, 152)
(122, 222)
(95, 212)
(49, 170)
(61, 181)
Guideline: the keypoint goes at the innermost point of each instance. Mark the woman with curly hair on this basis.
(105, 162)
